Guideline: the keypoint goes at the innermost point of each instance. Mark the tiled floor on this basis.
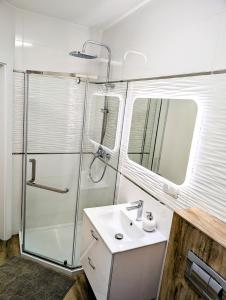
(81, 290)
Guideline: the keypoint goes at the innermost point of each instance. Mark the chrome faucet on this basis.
(139, 206)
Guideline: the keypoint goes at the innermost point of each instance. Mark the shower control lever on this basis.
(31, 182)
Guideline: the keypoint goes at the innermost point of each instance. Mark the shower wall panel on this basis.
(54, 138)
(55, 112)
(54, 125)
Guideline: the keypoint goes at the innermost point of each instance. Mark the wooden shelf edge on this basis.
(205, 222)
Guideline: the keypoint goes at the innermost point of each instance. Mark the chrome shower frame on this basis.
(108, 52)
(25, 253)
(52, 263)
(105, 110)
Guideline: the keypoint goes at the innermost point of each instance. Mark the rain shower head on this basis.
(82, 55)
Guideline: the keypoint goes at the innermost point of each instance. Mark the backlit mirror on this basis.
(161, 135)
(104, 120)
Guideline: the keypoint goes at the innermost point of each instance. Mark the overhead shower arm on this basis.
(108, 51)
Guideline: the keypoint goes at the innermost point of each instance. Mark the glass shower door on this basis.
(54, 125)
(97, 186)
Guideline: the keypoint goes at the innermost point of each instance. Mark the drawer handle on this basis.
(90, 263)
(93, 235)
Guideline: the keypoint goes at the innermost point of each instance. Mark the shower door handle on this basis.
(33, 169)
(48, 188)
(32, 182)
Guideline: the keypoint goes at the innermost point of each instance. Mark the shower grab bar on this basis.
(31, 182)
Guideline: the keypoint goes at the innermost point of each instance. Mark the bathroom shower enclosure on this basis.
(61, 130)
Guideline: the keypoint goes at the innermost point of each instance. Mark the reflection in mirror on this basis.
(161, 135)
(104, 120)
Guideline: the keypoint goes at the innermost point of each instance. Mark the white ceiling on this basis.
(92, 13)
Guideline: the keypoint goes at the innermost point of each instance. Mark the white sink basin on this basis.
(115, 219)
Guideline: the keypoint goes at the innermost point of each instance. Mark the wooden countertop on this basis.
(205, 222)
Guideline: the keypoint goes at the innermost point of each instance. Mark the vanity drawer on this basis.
(89, 235)
(96, 260)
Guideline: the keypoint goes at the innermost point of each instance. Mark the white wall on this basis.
(174, 36)
(46, 43)
(6, 57)
(167, 37)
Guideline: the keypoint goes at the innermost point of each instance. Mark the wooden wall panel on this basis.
(188, 235)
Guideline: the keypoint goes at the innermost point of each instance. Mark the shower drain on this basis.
(119, 236)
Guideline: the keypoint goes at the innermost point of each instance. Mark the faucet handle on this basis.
(138, 202)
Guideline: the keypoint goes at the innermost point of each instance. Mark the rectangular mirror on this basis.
(161, 135)
(104, 120)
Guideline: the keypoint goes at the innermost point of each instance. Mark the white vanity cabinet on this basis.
(96, 260)
(126, 275)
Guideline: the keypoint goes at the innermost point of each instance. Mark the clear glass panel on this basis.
(102, 192)
(54, 162)
(54, 133)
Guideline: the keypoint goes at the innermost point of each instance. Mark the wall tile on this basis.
(206, 176)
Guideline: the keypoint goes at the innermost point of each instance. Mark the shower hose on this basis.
(101, 153)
